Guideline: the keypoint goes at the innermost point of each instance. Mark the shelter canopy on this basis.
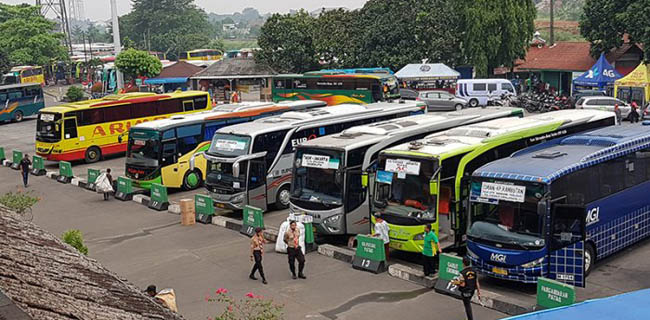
(599, 75)
(427, 71)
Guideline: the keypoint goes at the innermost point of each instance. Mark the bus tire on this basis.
(192, 180)
(18, 116)
(282, 198)
(93, 154)
(473, 103)
(590, 257)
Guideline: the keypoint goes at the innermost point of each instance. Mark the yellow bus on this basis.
(201, 54)
(90, 129)
(25, 74)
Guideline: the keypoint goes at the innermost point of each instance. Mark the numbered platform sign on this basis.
(124, 189)
(553, 294)
(159, 200)
(450, 267)
(370, 254)
(65, 172)
(253, 218)
(16, 156)
(204, 208)
(2, 154)
(93, 174)
(38, 167)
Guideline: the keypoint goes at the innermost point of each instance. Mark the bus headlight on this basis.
(533, 264)
(333, 219)
(238, 198)
(419, 237)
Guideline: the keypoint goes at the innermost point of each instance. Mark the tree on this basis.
(604, 23)
(135, 63)
(74, 94)
(638, 27)
(286, 43)
(335, 38)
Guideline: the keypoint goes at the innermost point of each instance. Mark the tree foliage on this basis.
(26, 38)
(74, 238)
(136, 63)
(286, 42)
(74, 94)
(601, 24)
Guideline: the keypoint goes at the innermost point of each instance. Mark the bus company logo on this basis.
(119, 127)
(299, 141)
(593, 215)
(498, 257)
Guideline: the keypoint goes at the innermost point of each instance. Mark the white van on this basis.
(479, 91)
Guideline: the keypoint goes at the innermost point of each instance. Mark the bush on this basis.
(75, 238)
(74, 94)
(19, 201)
(252, 307)
(98, 87)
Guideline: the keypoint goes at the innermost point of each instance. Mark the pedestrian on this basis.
(617, 112)
(634, 115)
(467, 283)
(257, 251)
(104, 184)
(24, 166)
(381, 231)
(292, 239)
(431, 246)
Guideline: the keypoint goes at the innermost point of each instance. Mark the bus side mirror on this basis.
(338, 176)
(364, 179)
(119, 139)
(433, 187)
(235, 169)
(541, 207)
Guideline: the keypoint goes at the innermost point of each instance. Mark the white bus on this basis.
(250, 163)
(328, 171)
(480, 91)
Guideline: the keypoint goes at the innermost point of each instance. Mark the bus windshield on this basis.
(317, 177)
(229, 145)
(402, 191)
(515, 223)
(143, 148)
(48, 127)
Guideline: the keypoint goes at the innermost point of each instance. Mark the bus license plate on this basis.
(500, 271)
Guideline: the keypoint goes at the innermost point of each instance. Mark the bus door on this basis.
(257, 183)
(70, 130)
(566, 254)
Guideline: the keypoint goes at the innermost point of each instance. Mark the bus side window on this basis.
(271, 143)
(169, 106)
(70, 128)
(201, 102)
(188, 106)
(356, 192)
(210, 129)
(15, 95)
(188, 138)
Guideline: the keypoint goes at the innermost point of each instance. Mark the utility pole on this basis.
(58, 9)
(117, 42)
(552, 33)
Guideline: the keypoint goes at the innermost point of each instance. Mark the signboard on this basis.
(2, 154)
(403, 166)
(553, 294)
(450, 267)
(38, 167)
(505, 192)
(370, 254)
(321, 162)
(230, 145)
(253, 218)
(93, 174)
(384, 177)
(16, 156)
(65, 172)
(124, 189)
(204, 208)
(158, 200)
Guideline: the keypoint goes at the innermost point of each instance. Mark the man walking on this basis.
(257, 251)
(634, 115)
(431, 246)
(381, 231)
(618, 113)
(468, 282)
(24, 166)
(292, 239)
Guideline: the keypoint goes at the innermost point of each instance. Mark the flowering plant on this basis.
(252, 307)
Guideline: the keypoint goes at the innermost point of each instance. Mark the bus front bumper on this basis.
(53, 152)
(526, 273)
(235, 201)
(330, 222)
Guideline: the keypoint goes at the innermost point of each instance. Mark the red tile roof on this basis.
(563, 56)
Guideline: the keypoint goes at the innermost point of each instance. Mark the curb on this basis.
(410, 274)
(338, 253)
(270, 234)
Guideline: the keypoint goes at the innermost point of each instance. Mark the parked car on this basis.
(604, 103)
(480, 91)
(408, 94)
(441, 100)
(578, 94)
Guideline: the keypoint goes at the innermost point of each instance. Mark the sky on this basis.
(100, 9)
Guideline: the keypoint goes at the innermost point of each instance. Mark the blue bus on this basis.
(553, 209)
(20, 100)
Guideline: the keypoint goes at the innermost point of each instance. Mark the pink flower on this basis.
(250, 295)
(222, 291)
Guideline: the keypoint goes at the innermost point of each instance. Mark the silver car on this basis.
(604, 103)
(441, 100)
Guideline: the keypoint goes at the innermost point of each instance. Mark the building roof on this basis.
(180, 69)
(563, 56)
(556, 158)
(48, 279)
(235, 68)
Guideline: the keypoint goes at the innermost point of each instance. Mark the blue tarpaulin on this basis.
(629, 306)
(599, 76)
(159, 81)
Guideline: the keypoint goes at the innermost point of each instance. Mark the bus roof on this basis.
(19, 85)
(337, 75)
(326, 115)
(119, 99)
(234, 110)
(371, 134)
(469, 137)
(553, 159)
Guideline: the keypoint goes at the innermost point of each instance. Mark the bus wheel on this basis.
(590, 258)
(192, 180)
(93, 154)
(18, 116)
(473, 103)
(282, 198)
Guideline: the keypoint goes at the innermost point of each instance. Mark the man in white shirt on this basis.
(381, 231)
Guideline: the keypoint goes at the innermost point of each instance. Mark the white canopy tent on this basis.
(427, 71)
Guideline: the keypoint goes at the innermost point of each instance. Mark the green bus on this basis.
(418, 182)
(336, 87)
(20, 100)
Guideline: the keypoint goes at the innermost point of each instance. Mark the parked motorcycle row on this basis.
(539, 102)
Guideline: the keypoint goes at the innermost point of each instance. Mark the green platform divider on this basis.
(204, 207)
(253, 218)
(2, 154)
(16, 156)
(158, 200)
(124, 189)
(370, 254)
(38, 166)
(553, 294)
(450, 267)
(65, 172)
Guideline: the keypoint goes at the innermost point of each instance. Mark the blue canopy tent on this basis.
(599, 77)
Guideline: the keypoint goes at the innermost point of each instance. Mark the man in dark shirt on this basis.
(467, 282)
(24, 166)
